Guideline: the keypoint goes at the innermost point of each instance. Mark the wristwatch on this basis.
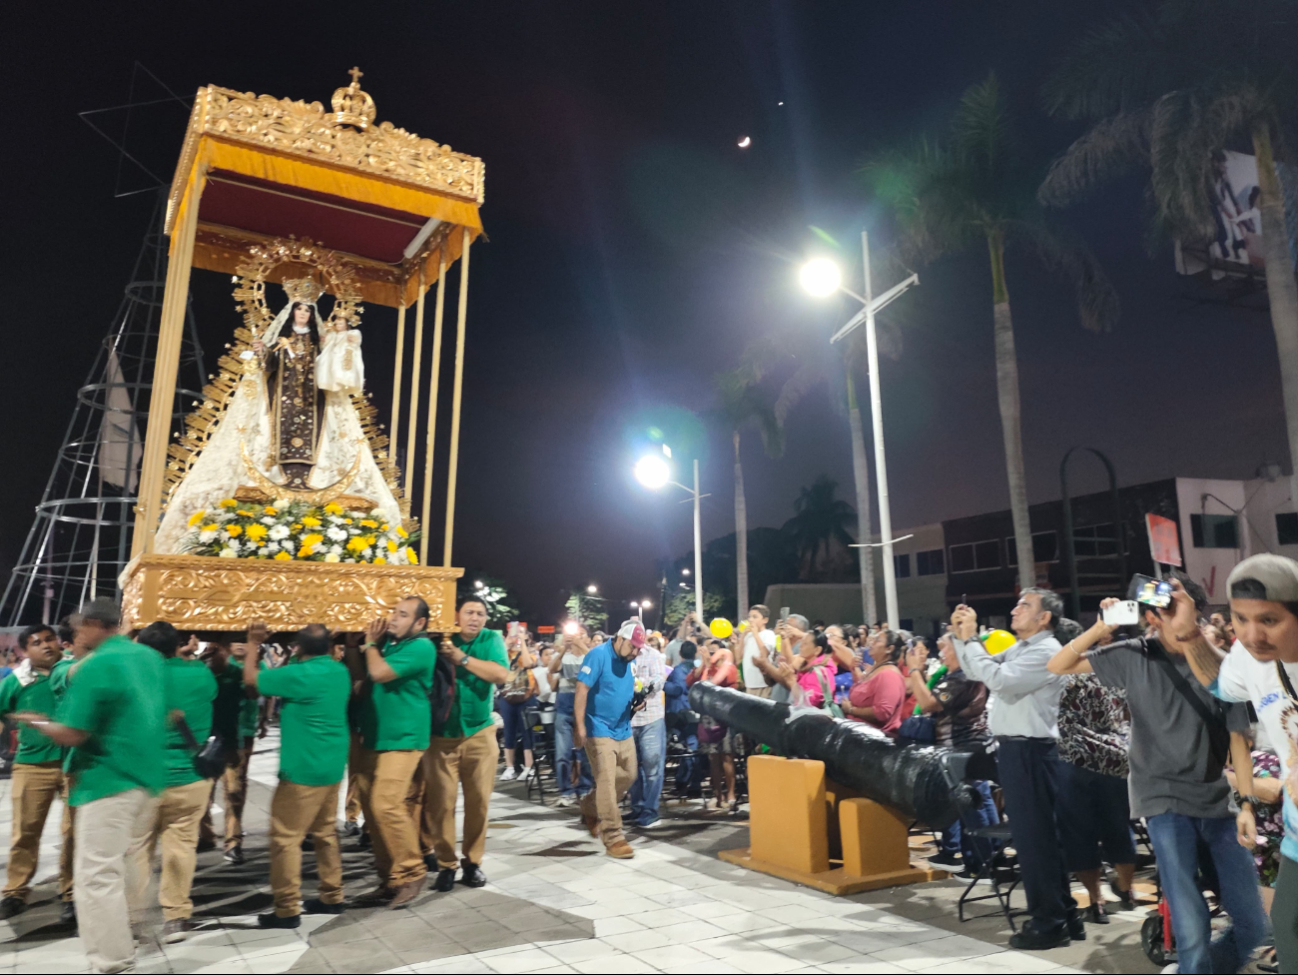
(1253, 801)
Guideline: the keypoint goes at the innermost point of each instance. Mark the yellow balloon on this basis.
(998, 640)
(743, 625)
(721, 628)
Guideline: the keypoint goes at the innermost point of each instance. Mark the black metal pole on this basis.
(1070, 549)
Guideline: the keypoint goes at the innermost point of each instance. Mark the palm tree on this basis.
(974, 187)
(743, 402)
(1167, 90)
(819, 520)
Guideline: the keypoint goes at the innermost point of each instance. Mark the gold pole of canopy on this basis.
(433, 380)
(414, 385)
(166, 365)
(455, 399)
(396, 380)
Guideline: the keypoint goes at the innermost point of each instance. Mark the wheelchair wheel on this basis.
(1151, 940)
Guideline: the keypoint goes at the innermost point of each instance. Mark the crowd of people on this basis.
(1181, 721)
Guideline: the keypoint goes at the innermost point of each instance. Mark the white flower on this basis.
(337, 534)
(279, 532)
(229, 553)
(332, 557)
(282, 503)
(367, 553)
(272, 546)
(268, 520)
(336, 549)
(207, 536)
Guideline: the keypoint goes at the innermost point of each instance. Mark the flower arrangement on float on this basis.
(297, 531)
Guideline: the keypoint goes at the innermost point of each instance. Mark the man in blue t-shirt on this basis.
(602, 724)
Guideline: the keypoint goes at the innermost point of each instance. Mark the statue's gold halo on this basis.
(317, 497)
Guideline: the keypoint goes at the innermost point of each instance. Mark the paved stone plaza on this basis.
(556, 904)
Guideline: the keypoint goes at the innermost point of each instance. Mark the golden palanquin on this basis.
(258, 173)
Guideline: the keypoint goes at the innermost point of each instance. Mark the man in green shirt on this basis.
(463, 751)
(314, 740)
(394, 717)
(37, 772)
(190, 689)
(234, 720)
(114, 720)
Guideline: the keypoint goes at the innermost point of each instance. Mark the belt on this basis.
(1049, 741)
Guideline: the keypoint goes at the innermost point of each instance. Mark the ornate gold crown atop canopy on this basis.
(353, 106)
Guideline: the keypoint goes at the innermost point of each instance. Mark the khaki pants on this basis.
(353, 810)
(613, 765)
(759, 691)
(180, 809)
(235, 782)
(449, 764)
(111, 888)
(383, 782)
(34, 788)
(296, 811)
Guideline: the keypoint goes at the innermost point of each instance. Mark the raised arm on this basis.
(1070, 659)
(1181, 626)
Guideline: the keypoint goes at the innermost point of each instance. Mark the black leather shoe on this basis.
(445, 881)
(317, 906)
(472, 875)
(68, 913)
(1094, 914)
(1031, 939)
(11, 906)
(1076, 926)
(273, 920)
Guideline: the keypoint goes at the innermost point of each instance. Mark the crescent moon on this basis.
(745, 142)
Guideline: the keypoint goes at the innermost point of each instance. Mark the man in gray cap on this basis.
(1262, 667)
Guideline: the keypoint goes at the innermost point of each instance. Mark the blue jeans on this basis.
(1177, 840)
(517, 729)
(651, 760)
(956, 838)
(564, 756)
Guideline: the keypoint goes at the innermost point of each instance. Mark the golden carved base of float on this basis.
(195, 592)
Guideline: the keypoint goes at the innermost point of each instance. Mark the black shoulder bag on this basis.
(1218, 735)
(209, 758)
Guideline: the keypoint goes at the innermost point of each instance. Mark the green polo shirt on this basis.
(474, 697)
(33, 747)
(313, 721)
(396, 715)
(191, 688)
(59, 677)
(118, 699)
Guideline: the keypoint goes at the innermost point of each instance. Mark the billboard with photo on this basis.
(1235, 244)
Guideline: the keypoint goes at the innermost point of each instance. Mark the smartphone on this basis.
(784, 613)
(1125, 613)
(1153, 592)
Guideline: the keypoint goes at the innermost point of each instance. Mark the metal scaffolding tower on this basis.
(80, 539)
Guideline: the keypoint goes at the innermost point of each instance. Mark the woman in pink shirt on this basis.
(879, 699)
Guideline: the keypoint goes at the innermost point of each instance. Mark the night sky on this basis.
(634, 249)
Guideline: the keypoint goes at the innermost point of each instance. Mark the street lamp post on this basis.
(654, 473)
(821, 277)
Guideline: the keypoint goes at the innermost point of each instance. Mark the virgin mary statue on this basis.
(291, 429)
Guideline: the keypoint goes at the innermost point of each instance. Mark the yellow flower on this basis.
(410, 554)
(312, 540)
(271, 511)
(229, 503)
(331, 557)
(348, 520)
(282, 556)
(356, 544)
(208, 528)
(392, 544)
(379, 560)
(234, 531)
(196, 517)
(311, 522)
(296, 527)
(368, 523)
(402, 532)
(333, 508)
(260, 543)
(245, 514)
(257, 532)
(304, 551)
(383, 527)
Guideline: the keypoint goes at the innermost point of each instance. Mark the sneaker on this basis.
(1032, 939)
(68, 913)
(445, 882)
(472, 875)
(273, 920)
(621, 850)
(234, 856)
(563, 802)
(509, 775)
(316, 906)
(1126, 902)
(351, 828)
(944, 859)
(406, 893)
(529, 773)
(1095, 914)
(11, 906)
(653, 825)
(177, 929)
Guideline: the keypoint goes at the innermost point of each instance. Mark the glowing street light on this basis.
(479, 585)
(685, 572)
(820, 277)
(653, 471)
(592, 589)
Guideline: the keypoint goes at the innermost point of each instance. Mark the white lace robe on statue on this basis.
(220, 468)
